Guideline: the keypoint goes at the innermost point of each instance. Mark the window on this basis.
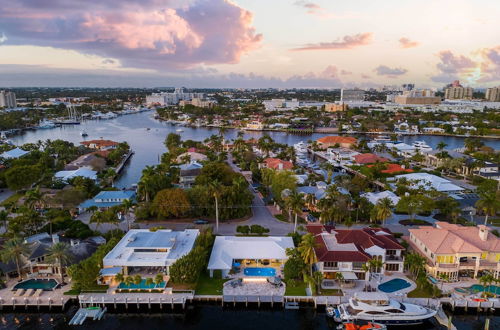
(357, 265)
(391, 252)
(330, 264)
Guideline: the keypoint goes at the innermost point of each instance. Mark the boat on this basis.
(83, 133)
(421, 145)
(45, 124)
(382, 138)
(377, 307)
(179, 130)
(300, 148)
(362, 326)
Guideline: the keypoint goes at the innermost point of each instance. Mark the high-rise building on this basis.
(352, 95)
(493, 94)
(425, 96)
(7, 99)
(172, 98)
(455, 91)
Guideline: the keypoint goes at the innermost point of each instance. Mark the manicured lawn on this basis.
(210, 286)
(296, 289)
(422, 292)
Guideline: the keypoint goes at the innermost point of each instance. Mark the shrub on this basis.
(243, 229)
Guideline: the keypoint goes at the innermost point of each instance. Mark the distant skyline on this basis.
(249, 43)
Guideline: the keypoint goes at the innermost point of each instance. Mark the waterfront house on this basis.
(236, 253)
(457, 251)
(488, 171)
(107, 199)
(66, 176)
(276, 164)
(429, 181)
(94, 160)
(14, 153)
(100, 144)
(374, 197)
(345, 251)
(332, 141)
(368, 158)
(191, 156)
(146, 252)
(188, 174)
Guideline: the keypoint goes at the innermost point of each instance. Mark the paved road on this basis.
(6, 193)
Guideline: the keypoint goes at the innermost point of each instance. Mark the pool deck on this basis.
(54, 298)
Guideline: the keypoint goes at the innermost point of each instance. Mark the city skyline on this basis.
(218, 43)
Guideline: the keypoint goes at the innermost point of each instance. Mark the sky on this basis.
(249, 43)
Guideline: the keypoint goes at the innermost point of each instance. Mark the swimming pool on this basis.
(491, 288)
(141, 286)
(394, 285)
(260, 271)
(35, 284)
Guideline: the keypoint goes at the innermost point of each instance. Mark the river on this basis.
(148, 144)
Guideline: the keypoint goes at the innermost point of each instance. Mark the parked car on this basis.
(311, 218)
(200, 222)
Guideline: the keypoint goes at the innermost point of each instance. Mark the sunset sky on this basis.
(249, 43)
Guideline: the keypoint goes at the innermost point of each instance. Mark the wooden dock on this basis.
(137, 299)
(30, 302)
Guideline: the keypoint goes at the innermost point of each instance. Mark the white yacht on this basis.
(377, 307)
(46, 124)
(83, 133)
(179, 130)
(300, 148)
(421, 145)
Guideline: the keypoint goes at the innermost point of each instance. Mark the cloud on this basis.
(147, 34)
(3, 38)
(407, 43)
(365, 76)
(108, 61)
(313, 8)
(345, 72)
(490, 66)
(452, 67)
(383, 70)
(347, 42)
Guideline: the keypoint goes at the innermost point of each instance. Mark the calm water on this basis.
(212, 317)
(148, 144)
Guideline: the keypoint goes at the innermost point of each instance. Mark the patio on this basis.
(239, 266)
(253, 287)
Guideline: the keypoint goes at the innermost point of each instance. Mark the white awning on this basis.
(349, 276)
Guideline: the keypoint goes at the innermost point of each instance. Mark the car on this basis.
(311, 218)
(200, 222)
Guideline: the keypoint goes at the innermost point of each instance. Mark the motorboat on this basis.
(300, 148)
(45, 124)
(361, 326)
(377, 307)
(83, 133)
(421, 145)
(179, 130)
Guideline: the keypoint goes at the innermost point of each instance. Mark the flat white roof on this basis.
(426, 180)
(144, 248)
(228, 248)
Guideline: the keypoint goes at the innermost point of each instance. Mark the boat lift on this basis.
(96, 313)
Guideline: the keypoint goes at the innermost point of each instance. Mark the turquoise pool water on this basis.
(491, 288)
(141, 286)
(260, 271)
(394, 285)
(35, 284)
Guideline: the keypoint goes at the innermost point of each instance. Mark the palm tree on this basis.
(339, 277)
(328, 167)
(444, 278)
(98, 218)
(306, 250)
(137, 279)
(215, 187)
(126, 206)
(375, 264)
(34, 198)
(489, 203)
(441, 145)
(318, 278)
(59, 254)
(384, 209)
(415, 263)
(296, 203)
(149, 281)
(119, 277)
(128, 280)
(14, 250)
(158, 279)
(4, 217)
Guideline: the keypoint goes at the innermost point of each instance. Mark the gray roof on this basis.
(159, 239)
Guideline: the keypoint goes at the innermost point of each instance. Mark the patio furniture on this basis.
(29, 292)
(38, 293)
(19, 292)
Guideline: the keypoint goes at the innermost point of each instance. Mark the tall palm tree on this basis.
(489, 203)
(384, 209)
(306, 250)
(366, 269)
(59, 254)
(119, 277)
(34, 198)
(375, 264)
(98, 218)
(215, 187)
(441, 145)
(296, 203)
(126, 207)
(4, 217)
(14, 250)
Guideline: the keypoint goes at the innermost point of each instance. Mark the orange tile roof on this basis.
(394, 168)
(337, 139)
(274, 163)
(369, 158)
(100, 143)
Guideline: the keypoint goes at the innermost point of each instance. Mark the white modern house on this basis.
(65, 176)
(374, 197)
(429, 181)
(142, 251)
(14, 153)
(228, 250)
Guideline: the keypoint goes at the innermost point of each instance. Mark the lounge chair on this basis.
(38, 293)
(29, 292)
(19, 292)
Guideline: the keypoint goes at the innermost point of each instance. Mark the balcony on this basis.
(330, 268)
(488, 264)
(447, 266)
(393, 258)
(467, 264)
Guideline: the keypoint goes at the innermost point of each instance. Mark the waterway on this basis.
(146, 136)
(209, 317)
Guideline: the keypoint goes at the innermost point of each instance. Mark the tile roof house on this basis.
(342, 141)
(277, 164)
(192, 156)
(347, 250)
(457, 250)
(369, 159)
(100, 144)
(395, 168)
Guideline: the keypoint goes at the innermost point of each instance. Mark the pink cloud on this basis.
(383, 70)
(490, 66)
(312, 8)
(452, 67)
(407, 43)
(347, 42)
(147, 33)
(365, 76)
(345, 72)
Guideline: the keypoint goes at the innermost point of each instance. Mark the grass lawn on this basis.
(210, 286)
(295, 289)
(12, 199)
(423, 292)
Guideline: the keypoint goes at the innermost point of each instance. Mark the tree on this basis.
(215, 191)
(317, 278)
(171, 203)
(441, 145)
(384, 209)
(339, 277)
(98, 218)
(294, 266)
(23, 176)
(126, 207)
(489, 203)
(59, 254)
(14, 250)
(119, 277)
(415, 263)
(4, 217)
(444, 278)
(173, 141)
(129, 280)
(137, 279)
(158, 279)
(296, 203)
(149, 281)
(306, 249)
(34, 198)
(375, 265)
